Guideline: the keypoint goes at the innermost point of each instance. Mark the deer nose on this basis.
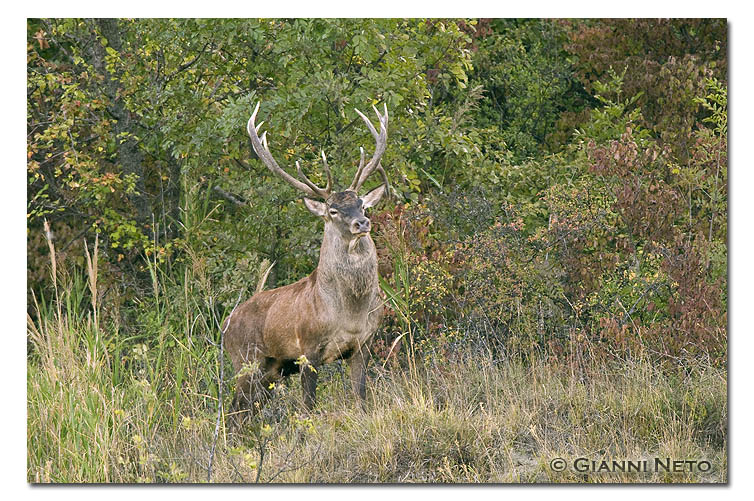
(361, 225)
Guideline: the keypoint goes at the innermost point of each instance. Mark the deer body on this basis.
(321, 317)
(332, 314)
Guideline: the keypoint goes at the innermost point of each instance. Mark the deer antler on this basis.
(364, 171)
(263, 151)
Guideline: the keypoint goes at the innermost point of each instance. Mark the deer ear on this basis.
(315, 207)
(373, 197)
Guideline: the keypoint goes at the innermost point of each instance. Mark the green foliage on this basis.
(666, 62)
(611, 119)
(716, 102)
(528, 80)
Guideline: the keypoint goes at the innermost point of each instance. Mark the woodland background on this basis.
(554, 253)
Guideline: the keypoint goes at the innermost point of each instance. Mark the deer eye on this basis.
(333, 212)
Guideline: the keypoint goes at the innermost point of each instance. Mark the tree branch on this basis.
(230, 197)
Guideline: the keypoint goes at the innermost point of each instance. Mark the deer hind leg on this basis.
(253, 391)
(239, 409)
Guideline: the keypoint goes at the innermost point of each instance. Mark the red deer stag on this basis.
(333, 313)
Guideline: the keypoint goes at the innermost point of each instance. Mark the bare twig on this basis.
(301, 465)
(219, 387)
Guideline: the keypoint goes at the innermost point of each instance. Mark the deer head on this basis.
(342, 211)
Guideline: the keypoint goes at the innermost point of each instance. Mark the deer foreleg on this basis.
(309, 384)
(358, 363)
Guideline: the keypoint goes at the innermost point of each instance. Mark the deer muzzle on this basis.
(361, 226)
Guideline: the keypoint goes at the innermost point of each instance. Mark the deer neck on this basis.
(347, 271)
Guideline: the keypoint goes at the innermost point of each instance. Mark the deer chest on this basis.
(342, 344)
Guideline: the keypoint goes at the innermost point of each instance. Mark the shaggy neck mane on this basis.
(351, 275)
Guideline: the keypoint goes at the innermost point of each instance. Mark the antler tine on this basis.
(305, 179)
(380, 139)
(325, 194)
(360, 169)
(263, 152)
(328, 188)
(384, 179)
